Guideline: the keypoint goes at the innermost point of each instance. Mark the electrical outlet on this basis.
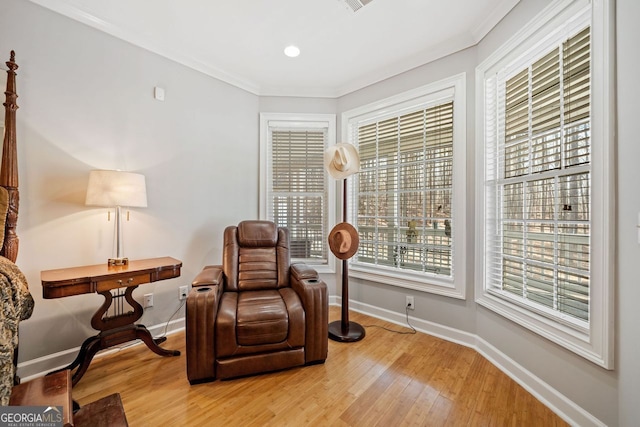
(182, 292)
(410, 303)
(148, 300)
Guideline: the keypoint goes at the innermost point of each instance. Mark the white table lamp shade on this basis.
(116, 188)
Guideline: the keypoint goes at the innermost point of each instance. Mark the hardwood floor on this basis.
(386, 379)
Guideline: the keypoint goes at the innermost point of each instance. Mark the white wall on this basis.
(86, 101)
(290, 104)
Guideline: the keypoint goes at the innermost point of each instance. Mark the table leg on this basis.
(115, 330)
(143, 333)
(89, 348)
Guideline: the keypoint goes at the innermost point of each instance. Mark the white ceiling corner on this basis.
(242, 43)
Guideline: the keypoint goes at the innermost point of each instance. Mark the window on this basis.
(294, 187)
(542, 183)
(407, 202)
(540, 179)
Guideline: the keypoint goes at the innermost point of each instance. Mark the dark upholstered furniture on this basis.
(256, 312)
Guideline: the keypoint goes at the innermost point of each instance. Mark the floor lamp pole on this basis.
(344, 330)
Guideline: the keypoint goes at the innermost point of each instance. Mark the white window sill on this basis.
(423, 282)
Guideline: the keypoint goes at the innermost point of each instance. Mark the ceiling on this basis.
(242, 42)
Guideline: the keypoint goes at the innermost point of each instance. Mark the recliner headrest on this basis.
(257, 234)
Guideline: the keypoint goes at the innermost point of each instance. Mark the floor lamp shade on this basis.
(115, 189)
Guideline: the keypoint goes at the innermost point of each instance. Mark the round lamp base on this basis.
(353, 332)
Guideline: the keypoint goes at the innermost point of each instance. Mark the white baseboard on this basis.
(552, 398)
(549, 396)
(41, 366)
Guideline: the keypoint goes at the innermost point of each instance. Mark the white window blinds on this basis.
(404, 190)
(539, 229)
(296, 197)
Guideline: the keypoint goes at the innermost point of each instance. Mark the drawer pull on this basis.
(130, 279)
(119, 282)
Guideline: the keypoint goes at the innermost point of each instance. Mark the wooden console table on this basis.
(116, 325)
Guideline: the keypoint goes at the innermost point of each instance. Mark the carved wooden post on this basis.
(9, 165)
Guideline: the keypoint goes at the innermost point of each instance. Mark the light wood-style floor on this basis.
(386, 379)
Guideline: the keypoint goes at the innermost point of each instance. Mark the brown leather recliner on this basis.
(256, 312)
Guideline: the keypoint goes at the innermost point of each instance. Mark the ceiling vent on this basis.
(356, 5)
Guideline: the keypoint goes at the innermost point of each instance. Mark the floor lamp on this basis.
(341, 161)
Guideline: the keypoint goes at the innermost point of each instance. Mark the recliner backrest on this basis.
(256, 256)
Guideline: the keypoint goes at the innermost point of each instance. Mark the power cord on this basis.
(166, 325)
(412, 332)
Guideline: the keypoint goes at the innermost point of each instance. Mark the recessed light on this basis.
(292, 51)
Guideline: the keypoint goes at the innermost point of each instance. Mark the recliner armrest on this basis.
(200, 317)
(209, 276)
(301, 271)
(315, 300)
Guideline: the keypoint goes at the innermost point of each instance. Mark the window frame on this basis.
(453, 88)
(554, 24)
(297, 121)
